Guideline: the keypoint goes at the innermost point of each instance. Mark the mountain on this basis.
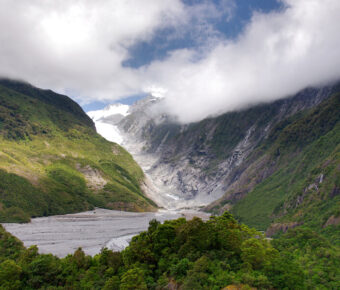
(275, 166)
(132, 131)
(293, 177)
(230, 162)
(52, 161)
(113, 113)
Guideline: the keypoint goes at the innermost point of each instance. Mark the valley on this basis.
(238, 161)
(170, 145)
(107, 216)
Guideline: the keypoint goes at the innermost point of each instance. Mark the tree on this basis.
(133, 279)
(10, 275)
(112, 283)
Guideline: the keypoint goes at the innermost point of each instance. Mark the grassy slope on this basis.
(46, 142)
(302, 149)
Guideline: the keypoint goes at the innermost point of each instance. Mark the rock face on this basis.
(277, 227)
(332, 221)
(93, 176)
(192, 165)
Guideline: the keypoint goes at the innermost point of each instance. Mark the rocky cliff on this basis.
(192, 165)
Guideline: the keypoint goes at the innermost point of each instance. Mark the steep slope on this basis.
(195, 164)
(293, 178)
(268, 164)
(52, 161)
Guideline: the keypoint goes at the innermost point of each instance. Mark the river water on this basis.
(92, 230)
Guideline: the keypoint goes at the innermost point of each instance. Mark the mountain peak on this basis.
(109, 110)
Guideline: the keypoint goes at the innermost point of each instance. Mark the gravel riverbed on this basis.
(63, 234)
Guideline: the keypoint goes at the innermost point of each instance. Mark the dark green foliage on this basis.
(43, 270)
(24, 116)
(49, 97)
(10, 246)
(204, 255)
(230, 253)
(133, 279)
(320, 260)
(16, 194)
(10, 274)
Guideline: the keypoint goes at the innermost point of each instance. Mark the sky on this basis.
(204, 57)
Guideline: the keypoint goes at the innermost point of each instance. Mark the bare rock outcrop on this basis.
(93, 176)
(284, 227)
(333, 220)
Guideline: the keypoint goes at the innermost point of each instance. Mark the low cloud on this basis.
(78, 47)
(277, 55)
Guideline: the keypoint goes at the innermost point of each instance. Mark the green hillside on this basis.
(53, 162)
(296, 173)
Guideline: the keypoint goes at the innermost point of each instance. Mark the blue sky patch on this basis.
(228, 24)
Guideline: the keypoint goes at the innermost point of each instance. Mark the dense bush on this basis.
(186, 254)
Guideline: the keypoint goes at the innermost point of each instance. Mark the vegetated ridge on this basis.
(52, 161)
(293, 177)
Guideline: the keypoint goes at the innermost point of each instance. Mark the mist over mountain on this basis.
(273, 166)
(209, 156)
(196, 164)
(203, 70)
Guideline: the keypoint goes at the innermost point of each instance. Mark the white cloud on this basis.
(80, 45)
(278, 54)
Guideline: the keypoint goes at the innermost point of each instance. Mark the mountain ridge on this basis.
(210, 144)
(52, 161)
(209, 160)
(300, 169)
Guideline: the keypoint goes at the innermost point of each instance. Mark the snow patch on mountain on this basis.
(109, 132)
(110, 110)
(107, 119)
(145, 132)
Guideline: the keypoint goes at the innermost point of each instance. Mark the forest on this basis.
(181, 254)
